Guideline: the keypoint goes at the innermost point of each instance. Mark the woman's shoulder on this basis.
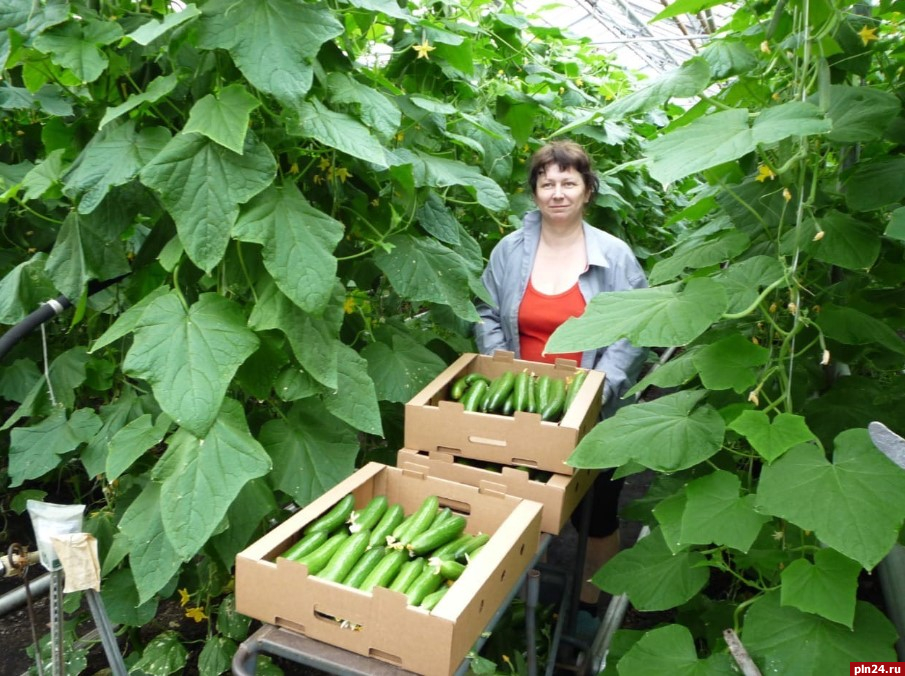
(607, 243)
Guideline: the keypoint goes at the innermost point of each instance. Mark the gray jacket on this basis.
(611, 267)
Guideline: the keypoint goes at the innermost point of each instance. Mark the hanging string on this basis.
(57, 308)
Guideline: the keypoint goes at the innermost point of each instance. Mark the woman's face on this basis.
(560, 194)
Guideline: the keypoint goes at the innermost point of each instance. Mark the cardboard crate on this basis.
(560, 494)
(435, 423)
(380, 624)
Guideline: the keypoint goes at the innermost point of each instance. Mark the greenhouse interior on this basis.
(403, 337)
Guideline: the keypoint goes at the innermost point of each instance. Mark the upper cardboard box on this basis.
(433, 422)
(380, 624)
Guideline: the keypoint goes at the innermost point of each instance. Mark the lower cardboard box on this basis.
(560, 494)
(380, 624)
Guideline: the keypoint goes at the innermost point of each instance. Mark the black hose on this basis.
(49, 309)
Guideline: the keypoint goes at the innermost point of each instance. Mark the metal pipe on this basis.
(532, 595)
(12, 600)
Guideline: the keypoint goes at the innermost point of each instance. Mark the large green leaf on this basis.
(438, 220)
(43, 179)
(113, 157)
(152, 558)
(298, 244)
(400, 371)
(689, 79)
(311, 451)
(223, 117)
(698, 253)
(772, 438)
(24, 288)
(27, 19)
(730, 363)
(132, 440)
(668, 434)
(314, 339)
(153, 29)
(87, 247)
(190, 355)
(715, 513)
(853, 504)
(728, 57)
(742, 280)
(201, 476)
(678, 370)
(115, 415)
(725, 136)
(245, 515)
(340, 131)
(852, 327)
(355, 399)
(876, 184)
(128, 320)
(373, 107)
(121, 600)
(76, 46)
(653, 577)
(67, 373)
(896, 227)
(828, 587)
(18, 378)
(422, 269)
(663, 316)
(440, 172)
(157, 89)
(848, 242)
(860, 113)
(163, 655)
(202, 184)
(784, 640)
(273, 42)
(671, 650)
(36, 450)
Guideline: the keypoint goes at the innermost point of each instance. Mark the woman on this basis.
(548, 271)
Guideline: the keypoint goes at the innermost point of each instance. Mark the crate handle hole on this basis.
(488, 442)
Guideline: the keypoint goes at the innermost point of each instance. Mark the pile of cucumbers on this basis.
(522, 391)
(418, 554)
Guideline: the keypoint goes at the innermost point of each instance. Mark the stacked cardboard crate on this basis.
(440, 434)
(507, 504)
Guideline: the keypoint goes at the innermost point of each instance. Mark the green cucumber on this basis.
(392, 517)
(346, 556)
(542, 391)
(427, 582)
(449, 569)
(420, 520)
(408, 573)
(508, 405)
(434, 597)
(307, 544)
(335, 517)
(433, 538)
(363, 567)
(471, 546)
(573, 386)
(368, 516)
(320, 557)
(474, 397)
(520, 391)
(386, 570)
(531, 405)
(555, 401)
(448, 551)
(461, 384)
(499, 390)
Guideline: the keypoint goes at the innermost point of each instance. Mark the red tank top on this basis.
(540, 315)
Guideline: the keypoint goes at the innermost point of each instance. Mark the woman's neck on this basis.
(561, 236)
